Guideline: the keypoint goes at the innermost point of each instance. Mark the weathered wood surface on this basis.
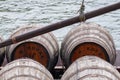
(43, 48)
(117, 61)
(60, 64)
(25, 69)
(88, 39)
(91, 68)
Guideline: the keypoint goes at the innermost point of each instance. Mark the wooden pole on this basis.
(59, 25)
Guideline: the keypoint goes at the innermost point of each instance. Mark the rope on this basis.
(14, 40)
(81, 12)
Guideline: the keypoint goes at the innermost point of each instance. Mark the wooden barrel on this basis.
(43, 48)
(88, 39)
(25, 69)
(91, 68)
(2, 53)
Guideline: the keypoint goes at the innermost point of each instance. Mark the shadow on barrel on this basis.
(2, 53)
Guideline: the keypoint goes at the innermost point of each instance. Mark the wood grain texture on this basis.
(91, 68)
(88, 39)
(25, 69)
(43, 48)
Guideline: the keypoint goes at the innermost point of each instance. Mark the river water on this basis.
(17, 13)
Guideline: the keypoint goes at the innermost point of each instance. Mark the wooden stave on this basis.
(22, 65)
(48, 41)
(82, 30)
(84, 68)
